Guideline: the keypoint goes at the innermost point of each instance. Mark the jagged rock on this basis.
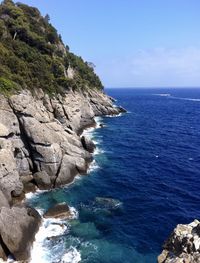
(121, 109)
(42, 180)
(58, 211)
(88, 144)
(40, 135)
(10, 182)
(183, 245)
(17, 230)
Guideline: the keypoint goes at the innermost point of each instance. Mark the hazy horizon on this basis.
(137, 43)
(175, 87)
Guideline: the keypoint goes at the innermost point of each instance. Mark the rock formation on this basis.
(48, 95)
(58, 211)
(183, 246)
(40, 145)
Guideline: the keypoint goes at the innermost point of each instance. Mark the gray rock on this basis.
(67, 172)
(183, 245)
(10, 182)
(42, 180)
(3, 200)
(17, 228)
(58, 211)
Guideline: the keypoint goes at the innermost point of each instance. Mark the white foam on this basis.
(98, 119)
(98, 151)
(114, 115)
(72, 256)
(73, 212)
(88, 131)
(29, 195)
(49, 228)
(93, 166)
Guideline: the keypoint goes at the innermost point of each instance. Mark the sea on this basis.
(144, 180)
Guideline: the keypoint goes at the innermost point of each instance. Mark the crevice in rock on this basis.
(5, 248)
(42, 144)
(19, 114)
(58, 171)
(10, 135)
(25, 140)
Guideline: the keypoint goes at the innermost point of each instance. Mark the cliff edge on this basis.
(183, 245)
(48, 96)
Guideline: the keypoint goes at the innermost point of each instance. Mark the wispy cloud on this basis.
(156, 67)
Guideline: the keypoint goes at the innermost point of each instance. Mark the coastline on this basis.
(22, 106)
(47, 230)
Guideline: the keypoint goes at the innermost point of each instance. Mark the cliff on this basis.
(183, 245)
(41, 147)
(48, 96)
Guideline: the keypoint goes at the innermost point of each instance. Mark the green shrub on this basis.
(7, 86)
(31, 57)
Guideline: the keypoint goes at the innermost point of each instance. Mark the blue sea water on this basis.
(148, 163)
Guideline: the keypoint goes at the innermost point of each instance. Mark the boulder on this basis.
(68, 171)
(42, 180)
(18, 227)
(58, 211)
(88, 145)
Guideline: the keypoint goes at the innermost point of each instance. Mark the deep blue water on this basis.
(149, 161)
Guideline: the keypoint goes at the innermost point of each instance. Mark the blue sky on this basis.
(133, 43)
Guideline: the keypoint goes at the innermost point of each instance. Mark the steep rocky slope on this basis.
(183, 246)
(48, 96)
(41, 146)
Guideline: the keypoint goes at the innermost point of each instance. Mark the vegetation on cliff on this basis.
(32, 54)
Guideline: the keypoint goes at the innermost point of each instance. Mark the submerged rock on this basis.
(58, 211)
(183, 245)
(85, 230)
(108, 202)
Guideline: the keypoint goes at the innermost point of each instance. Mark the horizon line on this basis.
(152, 87)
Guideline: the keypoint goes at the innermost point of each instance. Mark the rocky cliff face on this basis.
(40, 136)
(183, 246)
(41, 146)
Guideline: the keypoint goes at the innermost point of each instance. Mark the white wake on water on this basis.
(163, 94)
(177, 98)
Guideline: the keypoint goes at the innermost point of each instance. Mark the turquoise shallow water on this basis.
(148, 164)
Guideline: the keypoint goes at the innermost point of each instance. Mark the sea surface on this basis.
(144, 181)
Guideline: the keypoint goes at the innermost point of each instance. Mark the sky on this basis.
(133, 43)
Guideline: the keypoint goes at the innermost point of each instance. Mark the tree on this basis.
(7, 2)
